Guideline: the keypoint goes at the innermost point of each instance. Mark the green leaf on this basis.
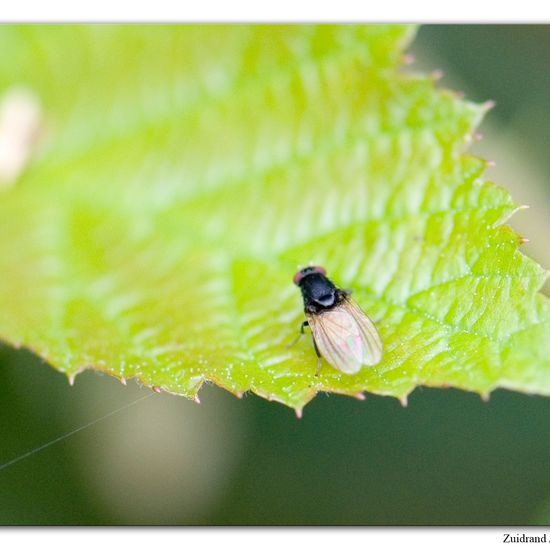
(186, 173)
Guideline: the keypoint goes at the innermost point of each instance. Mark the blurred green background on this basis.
(448, 458)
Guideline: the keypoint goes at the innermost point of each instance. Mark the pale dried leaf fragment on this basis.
(20, 122)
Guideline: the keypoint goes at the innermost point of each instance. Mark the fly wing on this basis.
(346, 337)
(370, 337)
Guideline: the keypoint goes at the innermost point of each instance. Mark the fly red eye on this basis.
(308, 271)
(297, 278)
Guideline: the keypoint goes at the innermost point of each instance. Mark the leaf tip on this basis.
(71, 376)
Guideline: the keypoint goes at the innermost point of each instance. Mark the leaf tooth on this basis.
(485, 396)
(508, 214)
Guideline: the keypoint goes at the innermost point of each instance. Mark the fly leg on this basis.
(319, 358)
(295, 341)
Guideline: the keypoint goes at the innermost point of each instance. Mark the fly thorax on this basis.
(326, 300)
(319, 293)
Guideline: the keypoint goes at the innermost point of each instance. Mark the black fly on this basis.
(342, 333)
